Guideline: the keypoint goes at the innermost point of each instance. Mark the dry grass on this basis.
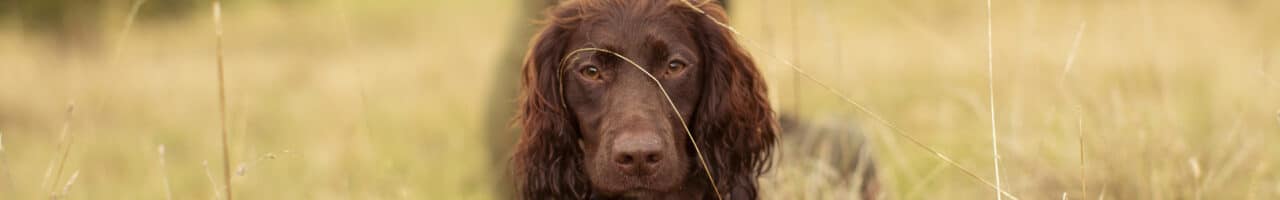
(1062, 85)
(217, 194)
(1151, 86)
(222, 100)
(164, 174)
(65, 142)
(991, 97)
(9, 185)
(128, 26)
(66, 188)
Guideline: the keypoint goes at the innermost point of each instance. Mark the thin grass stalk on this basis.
(1084, 185)
(351, 47)
(991, 88)
(1071, 56)
(8, 176)
(222, 99)
(119, 47)
(1062, 86)
(244, 168)
(66, 151)
(212, 181)
(1194, 163)
(164, 172)
(345, 22)
(860, 171)
(1103, 194)
(128, 25)
(66, 188)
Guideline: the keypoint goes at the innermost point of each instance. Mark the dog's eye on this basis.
(675, 66)
(591, 72)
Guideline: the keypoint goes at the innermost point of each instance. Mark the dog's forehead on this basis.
(633, 28)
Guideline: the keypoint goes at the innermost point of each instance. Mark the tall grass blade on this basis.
(65, 148)
(222, 100)
(164, 172)
(991, 88)
(10, 188)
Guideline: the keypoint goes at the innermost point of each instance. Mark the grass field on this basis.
(1176, 99)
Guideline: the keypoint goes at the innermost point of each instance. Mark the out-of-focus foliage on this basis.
(1177, 98)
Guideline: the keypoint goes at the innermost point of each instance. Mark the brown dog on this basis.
(617, 136)
(595, 127)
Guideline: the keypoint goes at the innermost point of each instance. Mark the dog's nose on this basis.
(637, 154)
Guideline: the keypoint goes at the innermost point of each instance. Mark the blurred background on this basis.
(408, 99)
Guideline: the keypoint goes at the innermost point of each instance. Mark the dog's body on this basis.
(832, 146)
(595, 127)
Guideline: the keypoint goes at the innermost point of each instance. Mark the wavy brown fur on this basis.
(733, 123)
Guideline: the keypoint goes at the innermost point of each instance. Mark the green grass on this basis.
(1175, 99)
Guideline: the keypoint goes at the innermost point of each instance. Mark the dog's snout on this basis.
(638, 153)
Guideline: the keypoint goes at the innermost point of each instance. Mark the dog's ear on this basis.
(547, 160)
(736, 126)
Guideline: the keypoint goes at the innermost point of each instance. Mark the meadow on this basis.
(382, 99)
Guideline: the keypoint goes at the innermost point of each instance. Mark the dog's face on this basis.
(594, 126)
(633, 142)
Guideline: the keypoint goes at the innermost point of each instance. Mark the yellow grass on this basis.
(1174, 99)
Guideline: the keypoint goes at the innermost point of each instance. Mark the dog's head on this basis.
(596, 125)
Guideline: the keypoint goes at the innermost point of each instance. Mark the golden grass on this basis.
(9, 185)
(797, 71)
(222, 100)
(128, 26)
(1154, 84)
(991, 97)
(164, 173)
(212, 181)
(1062, 85)
(66, 188)
(65, 142)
